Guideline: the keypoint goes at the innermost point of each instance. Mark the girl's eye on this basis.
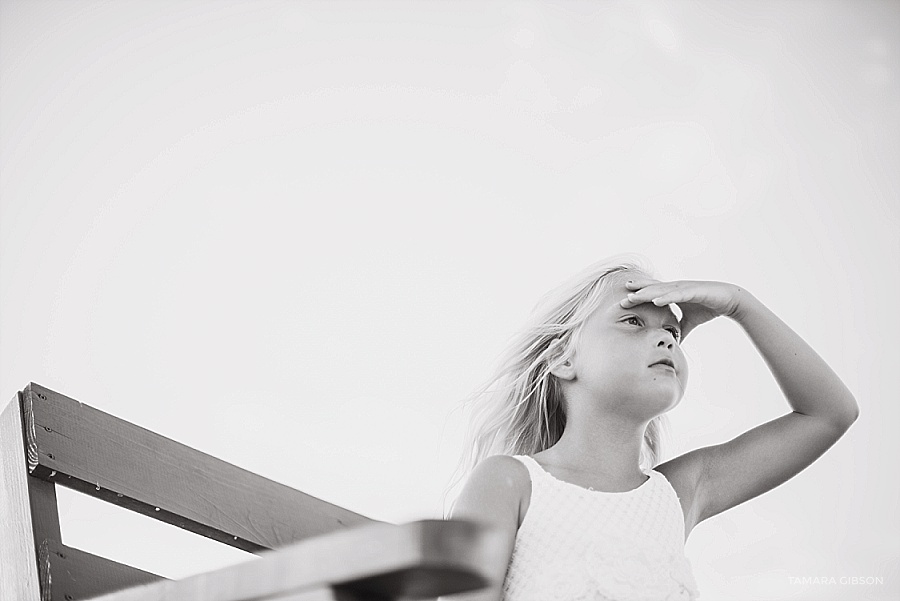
(634, 321)
(676, 333)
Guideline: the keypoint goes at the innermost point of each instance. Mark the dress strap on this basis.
(537, 472)
(534, 468)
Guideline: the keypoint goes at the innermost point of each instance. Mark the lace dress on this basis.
(577, 544)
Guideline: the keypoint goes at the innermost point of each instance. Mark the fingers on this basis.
(649, 291)
(666, 299)
(639, 282)
(638, 291)
(634, 299)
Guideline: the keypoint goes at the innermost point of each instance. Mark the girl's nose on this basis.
(668, 343)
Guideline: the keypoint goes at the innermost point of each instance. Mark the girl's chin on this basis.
(667, 404)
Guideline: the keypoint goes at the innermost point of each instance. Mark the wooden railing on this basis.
(324, 551)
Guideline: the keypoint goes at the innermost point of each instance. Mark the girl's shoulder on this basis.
(493, 494)
(506, 480)
(505, 470)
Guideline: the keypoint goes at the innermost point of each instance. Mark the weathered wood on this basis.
(75, 575)
(75, 445)
(63, 572)
(44, 510)
(44, 526)
(329, 593)
(68, 443)
(379, 561)
(18, 563)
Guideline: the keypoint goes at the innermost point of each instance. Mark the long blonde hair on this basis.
(520, 410)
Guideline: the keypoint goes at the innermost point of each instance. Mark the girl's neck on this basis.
(607, 450)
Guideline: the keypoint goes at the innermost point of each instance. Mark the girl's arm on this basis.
(493, 495)
(766, 456)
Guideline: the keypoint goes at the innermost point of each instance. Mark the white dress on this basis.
(577, 544)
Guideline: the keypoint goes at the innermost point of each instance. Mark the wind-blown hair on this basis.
(521, 410)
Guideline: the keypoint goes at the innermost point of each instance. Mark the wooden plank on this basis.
(64, 572)
(80, 447)
(75, 575)
(18, 563)
(328, 593)
(44, 526)
(380, 561)
(44, 509)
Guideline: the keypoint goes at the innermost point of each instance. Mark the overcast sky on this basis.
(295, 235)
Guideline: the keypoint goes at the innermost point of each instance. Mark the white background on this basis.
(296, 235)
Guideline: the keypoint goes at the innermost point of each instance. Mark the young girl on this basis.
(566, 442)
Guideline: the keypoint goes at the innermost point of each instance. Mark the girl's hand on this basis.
(699, 301)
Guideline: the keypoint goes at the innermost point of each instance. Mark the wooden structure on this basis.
(324, 552)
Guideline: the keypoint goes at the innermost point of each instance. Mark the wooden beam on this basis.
(44, 526)
(75, 445)
(18, 562)
(380, 561)
(329, 593)
(44, 510)
(75, 575)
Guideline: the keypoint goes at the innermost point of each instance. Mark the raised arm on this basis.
(493, 495)
(770, 454)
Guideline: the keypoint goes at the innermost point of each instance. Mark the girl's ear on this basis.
(564, 370)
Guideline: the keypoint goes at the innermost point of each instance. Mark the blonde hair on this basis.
(520, 410)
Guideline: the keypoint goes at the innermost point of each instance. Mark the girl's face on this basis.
(629, 360)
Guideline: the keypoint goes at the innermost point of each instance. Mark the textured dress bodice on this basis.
(577, 544)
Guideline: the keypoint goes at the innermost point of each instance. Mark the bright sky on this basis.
(295, 235)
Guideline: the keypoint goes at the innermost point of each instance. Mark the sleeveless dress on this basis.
(578, 544)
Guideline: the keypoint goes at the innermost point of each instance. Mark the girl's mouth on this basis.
(664, 363)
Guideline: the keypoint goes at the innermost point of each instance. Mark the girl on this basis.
(566, 441)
